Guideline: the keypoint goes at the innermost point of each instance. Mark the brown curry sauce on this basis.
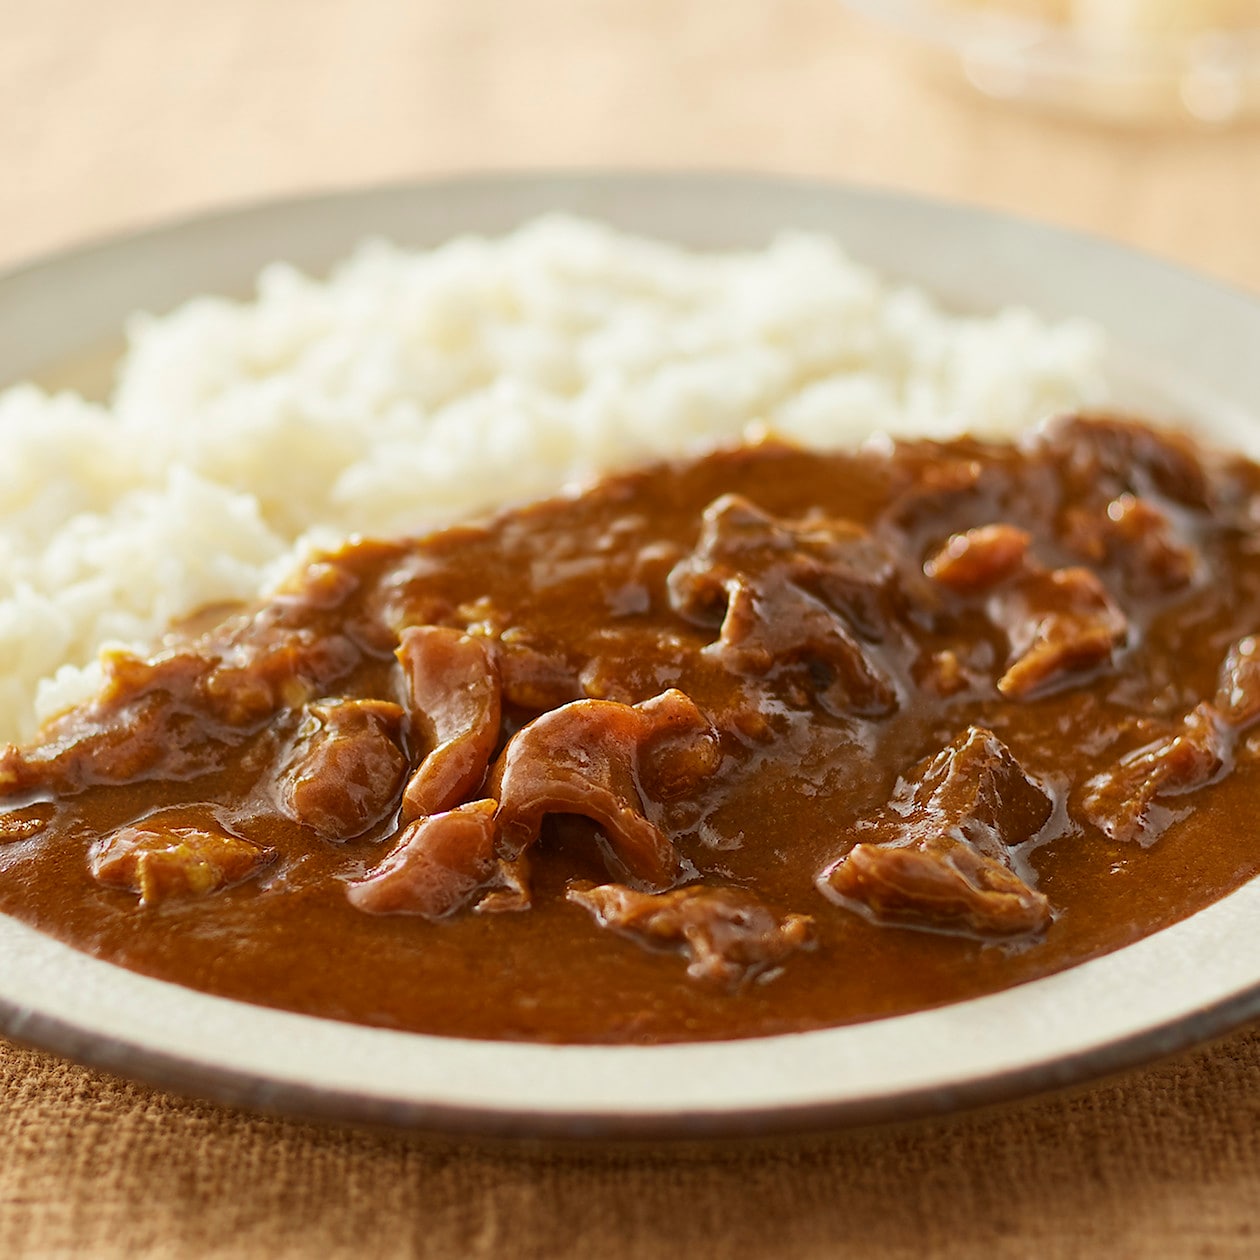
(759, 743)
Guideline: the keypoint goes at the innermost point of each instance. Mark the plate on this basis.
(1184, 346)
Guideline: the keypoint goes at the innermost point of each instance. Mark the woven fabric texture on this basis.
(1165, 1162)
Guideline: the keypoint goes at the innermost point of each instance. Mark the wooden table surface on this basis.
(113, 116)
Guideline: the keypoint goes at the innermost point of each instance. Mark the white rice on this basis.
(413, 388)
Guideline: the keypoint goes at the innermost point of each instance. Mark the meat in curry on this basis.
(762, 742)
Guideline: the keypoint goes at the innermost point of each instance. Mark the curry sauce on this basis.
(762, 742)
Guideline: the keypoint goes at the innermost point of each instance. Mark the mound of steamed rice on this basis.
(413, 388)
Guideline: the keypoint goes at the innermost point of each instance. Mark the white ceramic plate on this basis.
(1185, 347)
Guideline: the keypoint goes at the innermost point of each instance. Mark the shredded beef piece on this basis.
(1238, 694)
(1155, 558)
(177, 715)
(1123, 801)
(979, 558)
(941, 857)
(269, 665)
(943, 672)
(1060, 623)
(453, 693)
(791, 591)
(727, 935)
(24, 822)
(161, 863)
(437, 866)
(141, 725)
(589, 758)
(507, 890)
(1137, 536)
(345, 767)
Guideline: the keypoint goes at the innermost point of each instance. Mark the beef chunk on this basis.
(727, 936)
(977, 788)
(1060, 623)
(1145, 542)
(940, 856)
(980, 558)
(161, 862)
(786, 592)
(345, 767)
(937, 486)
(950, 888)
(1112, 457)
(1124, 802)
(453, 693)
(776, 625)
(596, 758)
(438, 865)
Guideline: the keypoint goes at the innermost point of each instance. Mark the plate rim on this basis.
(200, 1081)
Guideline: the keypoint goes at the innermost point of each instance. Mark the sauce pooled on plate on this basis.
(758, 743)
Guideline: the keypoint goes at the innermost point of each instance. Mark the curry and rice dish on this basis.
(755, 743)
(772, 737)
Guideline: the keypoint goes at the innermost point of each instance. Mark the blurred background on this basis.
(1082, 112)
(1133, 119)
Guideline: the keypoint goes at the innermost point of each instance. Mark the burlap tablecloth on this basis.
(115, 115)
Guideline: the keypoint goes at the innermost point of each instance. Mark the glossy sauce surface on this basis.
(595, 597)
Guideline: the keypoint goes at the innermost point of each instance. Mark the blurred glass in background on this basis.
(1136, 61)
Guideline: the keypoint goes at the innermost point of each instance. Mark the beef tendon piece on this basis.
(1124, 801)
(979, 558)
(1061, 623)
(812, 592)
(454, 695)
(162, 863)
(345, 767)
(438, 866)
(727, 936)
(941, 857)
(596, 758)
